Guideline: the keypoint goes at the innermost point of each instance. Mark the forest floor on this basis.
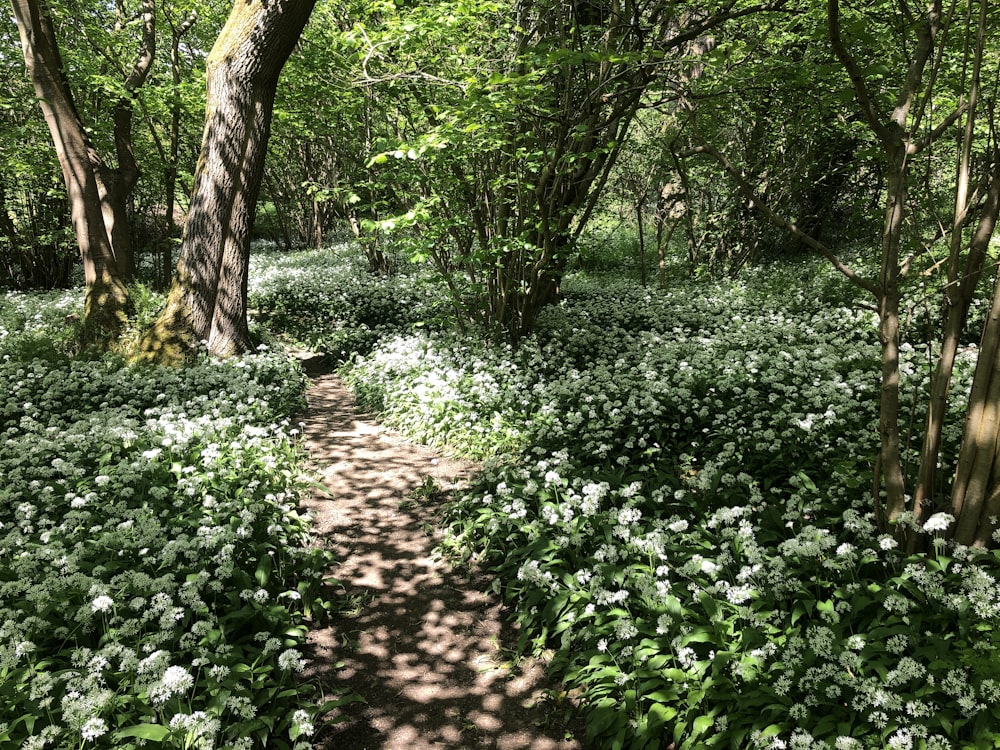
(428, 651)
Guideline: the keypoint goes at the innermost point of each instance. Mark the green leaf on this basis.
(150, 732)
(659, 715)
(702, 724)
(263, 572)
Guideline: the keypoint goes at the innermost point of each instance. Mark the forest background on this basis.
(500, 154)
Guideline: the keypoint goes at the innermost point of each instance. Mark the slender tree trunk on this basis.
(894, 135)
(118, 184)
(107, 301)
(642, 242)
(276, 200)
(208, 299)
(170, 171)
(975, 497)
(961, 283)
(889, 296)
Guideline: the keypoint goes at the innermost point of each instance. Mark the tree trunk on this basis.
(975, 497)
(107, 301)
(898, 147)
(976, 491)
(118, 184)
(170, 171)
(207, 301)
(889, 296)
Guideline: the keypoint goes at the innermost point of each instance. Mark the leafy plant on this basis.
(679, 511)
(158, 578)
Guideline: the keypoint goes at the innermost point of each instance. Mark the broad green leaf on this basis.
(149, 732)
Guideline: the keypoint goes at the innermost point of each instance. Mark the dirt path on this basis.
(423, 646)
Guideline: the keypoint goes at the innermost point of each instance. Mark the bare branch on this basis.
(927, 140)
(861, 91)
(147, 48)
(771, 215)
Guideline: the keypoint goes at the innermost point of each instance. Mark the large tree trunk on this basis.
(83, 170)
(207, 301)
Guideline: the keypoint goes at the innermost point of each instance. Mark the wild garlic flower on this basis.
(102, 603)
(175, 681)
(302, 724)
(938, 522)
(93, 729)
(291, 661)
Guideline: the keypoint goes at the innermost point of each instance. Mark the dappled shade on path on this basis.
(421, 643)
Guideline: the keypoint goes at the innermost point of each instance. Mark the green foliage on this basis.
(157, 577)
(819, 169)
(327, 300)
(680, 513)
(43, 325)
(37, 245)
(488, 132)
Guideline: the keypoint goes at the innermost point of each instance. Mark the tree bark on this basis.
(898, 148)
(961, 287)
(107, 301)
(118, 184)
(975, 497)
(207, 301)
(177, 32)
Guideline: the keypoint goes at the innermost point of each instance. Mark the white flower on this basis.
(103, 603)
(901, 740)
(687, 657)
(939, 522)
(301, 724)
(739, 594)
(93, 729)
(291, 661)
(886, 542)
(175, 680)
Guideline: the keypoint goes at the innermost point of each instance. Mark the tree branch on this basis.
(861, 92)
(927, 140)
(771, 215)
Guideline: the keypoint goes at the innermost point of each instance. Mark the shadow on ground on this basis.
(421, 643)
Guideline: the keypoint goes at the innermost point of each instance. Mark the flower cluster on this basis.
(328, 301)
(680, 511)
(137, 504)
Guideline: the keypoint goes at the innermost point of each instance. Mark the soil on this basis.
(431, 654)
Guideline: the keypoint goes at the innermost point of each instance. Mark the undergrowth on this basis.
(157, 576)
